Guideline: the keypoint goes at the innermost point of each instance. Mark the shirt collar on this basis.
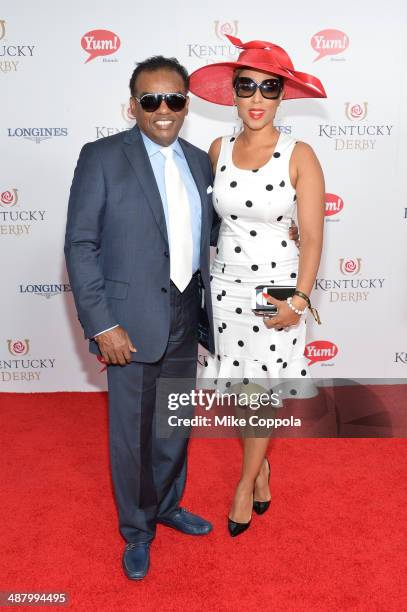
(152, 147)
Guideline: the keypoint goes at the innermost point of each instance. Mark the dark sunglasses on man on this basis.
(245, 87)
(150, 102)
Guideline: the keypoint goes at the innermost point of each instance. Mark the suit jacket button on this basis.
(166, 253)
(163, 289)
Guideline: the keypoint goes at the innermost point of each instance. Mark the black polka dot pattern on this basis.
(262, 202)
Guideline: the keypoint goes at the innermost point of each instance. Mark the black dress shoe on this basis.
(260, 507)
(236, 529)
(136, 560)
(186, 522)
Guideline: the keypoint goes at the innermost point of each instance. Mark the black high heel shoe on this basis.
(235, 528)
(260, 507)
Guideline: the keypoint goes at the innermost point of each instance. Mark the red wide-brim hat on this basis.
(214, 82)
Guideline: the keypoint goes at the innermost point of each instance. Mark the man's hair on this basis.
(159, 62)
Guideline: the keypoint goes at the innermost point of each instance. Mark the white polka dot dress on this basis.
(256, 207)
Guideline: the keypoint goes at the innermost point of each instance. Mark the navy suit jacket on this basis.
(116, 243)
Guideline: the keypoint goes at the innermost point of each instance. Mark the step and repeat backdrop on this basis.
(64, 72)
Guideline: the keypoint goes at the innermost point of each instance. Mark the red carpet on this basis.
(334, 538)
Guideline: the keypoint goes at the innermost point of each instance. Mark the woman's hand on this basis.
(285, 317)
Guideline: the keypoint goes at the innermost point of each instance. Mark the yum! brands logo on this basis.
(320, 350)
(329, 42)
(9, 198)
(333, 205)
(18, 348)
(99, 43)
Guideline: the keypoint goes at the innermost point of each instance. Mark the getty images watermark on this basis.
(252, 405)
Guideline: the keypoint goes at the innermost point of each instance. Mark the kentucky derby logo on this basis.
(333, 204)
(100, 42)
(2, 29)
(9, 198)
(356, 112)
(127, 114)
(228, 27)
(320, 350)
(350, 266)
(18, 347)
(329, 42)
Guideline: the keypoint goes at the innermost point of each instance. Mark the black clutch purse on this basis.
(279, 292)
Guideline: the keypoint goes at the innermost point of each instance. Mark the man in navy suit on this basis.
(137, 249)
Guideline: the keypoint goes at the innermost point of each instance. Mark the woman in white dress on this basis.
(261, 177)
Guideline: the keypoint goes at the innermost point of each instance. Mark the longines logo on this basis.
(329, 42)
(22, 367)
(125, 113)
(222, 50)
(100, 43)
(13, 220)
(36, 134)
(333, 206)
(354, 289)
(320, 350)
(357, 136)
(9, 53)
(45, 290)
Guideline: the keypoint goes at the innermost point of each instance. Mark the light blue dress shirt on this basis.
(157, 161)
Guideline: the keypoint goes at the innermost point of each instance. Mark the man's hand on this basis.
(293, 233)
(116, 346)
